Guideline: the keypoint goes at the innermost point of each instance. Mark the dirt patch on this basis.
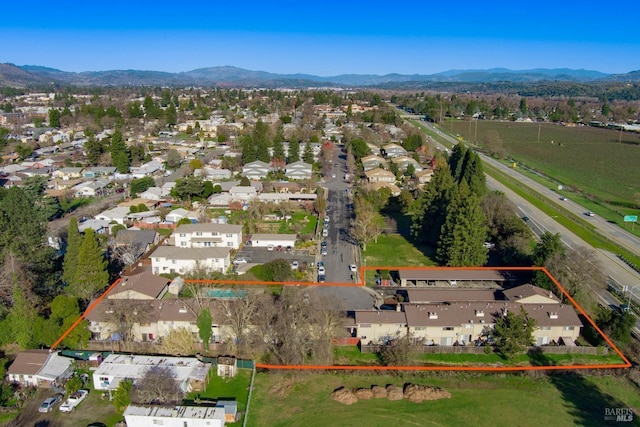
(412, 392)
(283, 388)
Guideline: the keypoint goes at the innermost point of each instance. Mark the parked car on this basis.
(320, 264)
(270, 248)
(240, 261)
(294, 265)
(321, 278)
(353, 268)
(323, 251)
(50, 403)
(321, 271)
(74, 400)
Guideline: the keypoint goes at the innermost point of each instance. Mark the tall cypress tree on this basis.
(463, 232)
(431, 206)
(307, 156)
(70, 263)
(456, 160)
(91, 273)
(120, 156)
(294, 152)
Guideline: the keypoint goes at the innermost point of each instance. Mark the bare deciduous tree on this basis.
(158, 386)
(124, 315)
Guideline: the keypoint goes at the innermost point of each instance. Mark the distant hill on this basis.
(229, 76)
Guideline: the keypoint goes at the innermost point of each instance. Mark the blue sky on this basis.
(323, 38)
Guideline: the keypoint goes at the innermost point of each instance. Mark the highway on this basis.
(619, 273)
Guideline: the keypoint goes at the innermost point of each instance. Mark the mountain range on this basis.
(228, 76)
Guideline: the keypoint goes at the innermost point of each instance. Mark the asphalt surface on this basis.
(341, 247)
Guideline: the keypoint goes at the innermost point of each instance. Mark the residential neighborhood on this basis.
(198, 238)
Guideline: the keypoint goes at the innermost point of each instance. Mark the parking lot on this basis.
(260, 255)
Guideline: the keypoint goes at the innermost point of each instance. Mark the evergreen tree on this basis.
(307, 156)
(513, 332)
(294, 152)
(204, 322)
(120, 156)
(431, 207)
(456, 160)
(171, 115)
(463, 232)
(249, 149)
(262, 152)
(91, 273)
(473, 173)
(278, 150)
(93, 149)
(70, 263)
(54, 118)
(22, 317)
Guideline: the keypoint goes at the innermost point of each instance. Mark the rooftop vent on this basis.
(553, 315)
(479, 313)
(433, 315)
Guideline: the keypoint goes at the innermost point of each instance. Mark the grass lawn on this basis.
(595, 161)
(236, 388)
(299, 399)
(392, 250)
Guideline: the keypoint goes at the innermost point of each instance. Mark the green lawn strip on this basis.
(351, 355)
(392, 250)
(517, 360)
(298, 399)
(236, 388)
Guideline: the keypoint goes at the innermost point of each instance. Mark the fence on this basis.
(146, 347)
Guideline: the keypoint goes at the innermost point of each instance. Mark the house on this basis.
(96, 171)
(445, 316)
(154, 193)
(243, 194)
(375, 186)
(216, 173)
(403, 163)
(140, 286)
(188, 372)
(380, 175)
(147, 169)
(90, 188)
(151, 320)
(207, 235)
(256, 170)
(118, 214)
(393, 150)
(298, 170)
(39, 368)
(175, 416)
(67, 173)
(371, 162)
(274, 240)
(178, 260)
(99, 226)
(424, 176)
(380, 325)
(177, 214)
(131, 244)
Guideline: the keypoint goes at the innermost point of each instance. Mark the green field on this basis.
(393, 250)
(598, 162)
(477, 400)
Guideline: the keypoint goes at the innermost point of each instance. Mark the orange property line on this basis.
(86, 312)
(626, 363)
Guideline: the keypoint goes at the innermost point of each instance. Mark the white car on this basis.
(589, 213)
(321, 271)
(294, 265)
(240, 261)
(353, 268)
(74, 400)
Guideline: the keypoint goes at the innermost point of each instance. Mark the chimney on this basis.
(398, 308)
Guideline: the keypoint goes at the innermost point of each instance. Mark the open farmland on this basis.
(478, 400)
(589, 159)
